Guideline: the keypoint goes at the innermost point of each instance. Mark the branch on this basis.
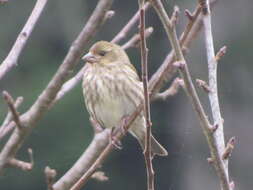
(10, 102)
(69, 85)
(9, 115)
(192, 94)
(12, 58)
(96, 153)
(42, 104)
(124, 31)
(135, 40)
(144, 69)
(171, 91)
(222, 167)
(90, 155)
(25, 166)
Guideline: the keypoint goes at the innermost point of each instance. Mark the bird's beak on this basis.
(90, 58)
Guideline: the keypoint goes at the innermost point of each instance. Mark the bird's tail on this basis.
(156, 147)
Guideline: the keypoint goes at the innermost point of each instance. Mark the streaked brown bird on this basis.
(112, 90)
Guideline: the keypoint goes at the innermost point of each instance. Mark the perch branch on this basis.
(42, 104)
(12, 58)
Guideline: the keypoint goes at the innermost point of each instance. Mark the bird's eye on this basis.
(102, 53)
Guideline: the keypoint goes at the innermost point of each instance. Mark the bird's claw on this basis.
(123, 123)
(116, 143)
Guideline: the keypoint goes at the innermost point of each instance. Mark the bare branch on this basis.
(171, 91)
(12, 58)
(144, 68)
(42, 104)
(25, 166)
(175, 15)
(92, 152)
(124, 31)
(221, 53)
(203, 85)
(9, 115)
(10, 103)
(69, 85)
(135, 40)
(222, 166)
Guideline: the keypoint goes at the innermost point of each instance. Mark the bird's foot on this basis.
(123, 124)
(115, 142)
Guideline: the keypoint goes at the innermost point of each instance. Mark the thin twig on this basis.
(70, 84)
(144, 66)
(10, 102)
(171, 91)
(9, 115)
(12, 58)
(25, 166)
(191, 92)
(135, 40)
(229, 148)
(124, 31)
(203, 85)
(42, 104)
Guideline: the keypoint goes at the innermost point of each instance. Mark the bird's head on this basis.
(105, 53)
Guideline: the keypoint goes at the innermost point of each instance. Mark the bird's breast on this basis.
(107, 97)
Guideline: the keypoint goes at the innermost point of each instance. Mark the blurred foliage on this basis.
(64, 133)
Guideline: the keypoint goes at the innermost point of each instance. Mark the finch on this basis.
(112, 90)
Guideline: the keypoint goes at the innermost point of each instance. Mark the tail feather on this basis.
(139, 132)
(156, 147)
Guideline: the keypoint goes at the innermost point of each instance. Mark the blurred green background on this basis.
(64, 132)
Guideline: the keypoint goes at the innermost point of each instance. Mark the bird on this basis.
(113, 90)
